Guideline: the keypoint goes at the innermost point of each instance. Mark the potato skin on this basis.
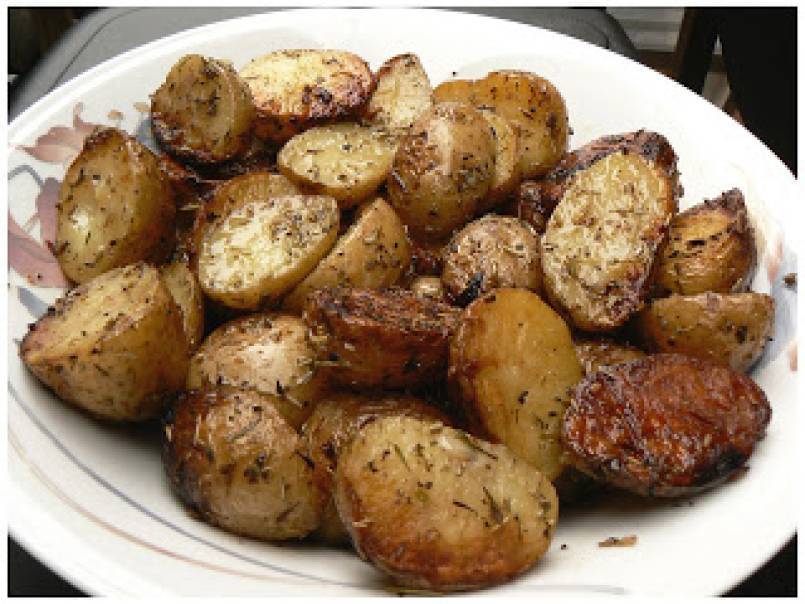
(114, 346)
(269, 353)
(710, 247)
(115, 208)
(232, 458)
(664, 426)
(533, 205)
(334, 422)
(442, 170)
(596, 353)
(462, 513)
(730, 329)
(490, 253)
(379, 338)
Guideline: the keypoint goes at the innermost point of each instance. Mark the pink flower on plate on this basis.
(61, 144)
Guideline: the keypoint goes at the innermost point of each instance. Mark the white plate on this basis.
(91, 500)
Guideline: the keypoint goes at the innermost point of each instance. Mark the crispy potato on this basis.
(442, 170)
(374, 253)
(711, 247)
(183, 286)
(203, 112)
(506, 177)
(489, 253)
(597, 353)
(437, 509)
(379, 338)
(617, 196)
(666, 425)
(296, 89)
(114, 346)
(262, 249)
(730, 329)
(346, 161)
(333, 424)
(531, 103)
(115, 208)
(402, 94)
(268, 353)
(429, 287)
(499, 373)
(234, 460)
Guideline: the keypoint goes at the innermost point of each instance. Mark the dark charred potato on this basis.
(667, 425)
(380, 338)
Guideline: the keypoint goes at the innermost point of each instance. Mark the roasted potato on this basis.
(596, 353)
(235, 461)
(533, 206)
(710, 247)
(443, 168)
(489, 253)
(296, 89)
(506, 177)
(426, 258)
(373, 253)
(261, 250)
(666, 425)
(403, 93)
(346, 161)
(617, 196)
(183, 286)
(115, 208)
(379, 338)
(428, 287)
(730, 329)
(512, 367)
(438, 509)
(531, 103)
(334, 422)
(114, 346)
(203, 112)
(268, 353)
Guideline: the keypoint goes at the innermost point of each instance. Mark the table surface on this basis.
(109, 32)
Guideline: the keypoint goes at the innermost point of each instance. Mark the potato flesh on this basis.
(506, 177)
(346, 161)
(402, 94)
(264, 248)
(183, 286)
(462, 513)
(596, 354)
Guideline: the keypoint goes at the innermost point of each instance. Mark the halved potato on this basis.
(183, 286)
(512, 367)
(596, 353)
(115, 208)
(113, 346)
(268, 353)
(203, 112)
(296, 89)
(264, 248)
(373, 253)
(438, 509)
(730, 329)
(234, 460)
(506, 177)
(402, 94)
(346, 161)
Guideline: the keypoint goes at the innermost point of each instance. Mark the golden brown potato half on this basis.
(429, 287)
(507, 160)
(115, 208)
(617, 196)
(597, 353)
(333, 424)
(296, 89)
(730, 329)
(262, 249)
(373, 253)
(490, 253)
(402, 94)
(183, 286)
(268, 353)
(531, 103)
(203, 112)
(440, 510)
(346, 161)
(113, 346)
(711, 247)
(442, 170)
(379, 338)
(666, 425)
(234, 460)
(512, 366)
